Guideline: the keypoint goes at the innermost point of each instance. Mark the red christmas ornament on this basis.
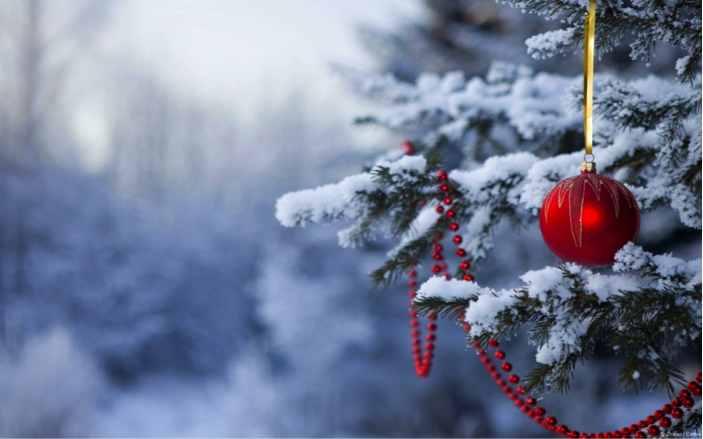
(586, 219)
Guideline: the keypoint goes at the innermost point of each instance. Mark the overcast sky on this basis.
(243, 48)
(241, 53)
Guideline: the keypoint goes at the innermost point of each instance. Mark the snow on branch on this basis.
(342, 201)
(570, 305)
(675, 22)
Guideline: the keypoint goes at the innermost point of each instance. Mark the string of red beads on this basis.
(642, 429)
(423, 362)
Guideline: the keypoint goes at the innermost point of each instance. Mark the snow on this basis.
(540, 282)
(312, 206)
(552, 289)
(549, 43)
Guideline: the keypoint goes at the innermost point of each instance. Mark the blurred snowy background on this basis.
(146, 288)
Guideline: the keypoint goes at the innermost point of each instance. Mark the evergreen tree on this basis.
(508, 139)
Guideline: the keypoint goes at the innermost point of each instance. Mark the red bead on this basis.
(431, 337)
(539, 411)
(447, 200)
(465, 265)
(665, 422)
(411, 293)
(415, 342)
(460, 252)
(453, 227)
(684, 393)
(436, 269)
(444, 188)
(468, 278)
(429, 355)
(477, 345)
(438, 248)
(695, 388)
(507, 367)
(493, 343)
(519, 403)
(447, 276)
(412, 283)
(512, 396)
(641, 425)
(562, 429)
(589, 227)
(676, 402)
(676, 413)
(650, 420)
(551, 421)
(491, 368)
(666, 408)
(633, 428)
(624, 431)
(495, 376)
(437, 257)
(530, 401)
(501, 383)
(574, 433)
(457, 239)
(525, 409)
(514, 379)
(415, 333)
(429, 346)
(432, 317)
(521, 390)
(467, 327)
(416, 349)
(616, 434)
(698, 377)
(687, 402)
(450, 213)
(439, 209)
(500, 355)
(412, 273)
(409, 148)
(653, 430)
(414, 323)
(431, 327)
(640, 434)
(606, 435)
(442, 175)
(485, 360)
(658, 414)
(439, 235)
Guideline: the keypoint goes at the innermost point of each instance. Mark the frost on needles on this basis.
(517, 133)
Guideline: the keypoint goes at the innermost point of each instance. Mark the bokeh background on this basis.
(146, 289)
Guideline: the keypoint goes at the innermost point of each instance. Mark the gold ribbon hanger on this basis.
(588, 50)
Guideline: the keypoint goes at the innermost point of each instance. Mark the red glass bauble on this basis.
(586, 219)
